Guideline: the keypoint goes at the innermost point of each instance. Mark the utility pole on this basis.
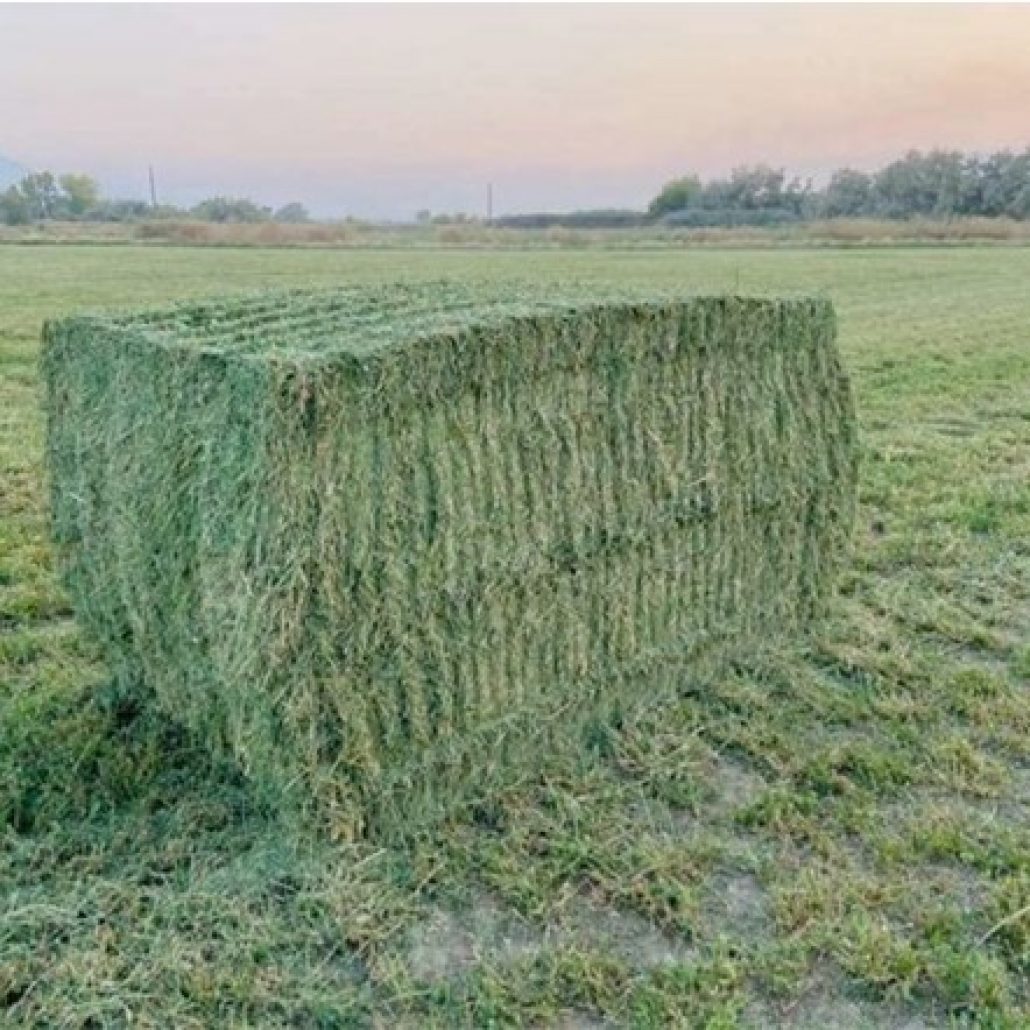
(489, 202)
(153, 189)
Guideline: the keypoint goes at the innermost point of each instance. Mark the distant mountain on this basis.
(10, 172)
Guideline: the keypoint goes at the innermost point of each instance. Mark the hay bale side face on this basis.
(383, 573)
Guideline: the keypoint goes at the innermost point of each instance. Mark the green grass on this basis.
(835, 833)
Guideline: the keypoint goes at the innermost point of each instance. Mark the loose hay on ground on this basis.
(387, 545)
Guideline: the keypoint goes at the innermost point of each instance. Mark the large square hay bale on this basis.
(385, 544)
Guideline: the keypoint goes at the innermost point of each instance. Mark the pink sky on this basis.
(382, 110)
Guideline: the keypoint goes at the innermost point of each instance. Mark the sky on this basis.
(382, 110)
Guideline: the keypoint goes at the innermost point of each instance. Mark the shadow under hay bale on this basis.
(387, 545)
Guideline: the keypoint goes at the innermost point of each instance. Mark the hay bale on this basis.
(383, 545)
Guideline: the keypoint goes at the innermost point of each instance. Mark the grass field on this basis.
(833, 834)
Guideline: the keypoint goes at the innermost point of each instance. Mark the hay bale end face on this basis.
(384, 545)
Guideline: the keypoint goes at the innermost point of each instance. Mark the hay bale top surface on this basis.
(369, 322)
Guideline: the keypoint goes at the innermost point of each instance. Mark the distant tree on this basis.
(424, 217)
(230, 209)
(14, 208)
(749, 188)
(945, 177)
(293, 212)
(991, 176)
(800, 197)
(42, 194)
(848, 194)
(932, 184)
(79, 195)
(607, 218)
(676, 195)
(1005, 184)
(756, 187)
(127, 211)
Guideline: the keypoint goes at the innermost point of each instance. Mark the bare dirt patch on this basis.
(738, 906)
(826, 1005)
(735, 786)
(626, 935)
(579, 1021)
(451, 943)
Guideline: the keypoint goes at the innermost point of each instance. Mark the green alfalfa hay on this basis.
(389, 547)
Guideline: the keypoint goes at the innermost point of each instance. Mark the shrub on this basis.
(704, 217)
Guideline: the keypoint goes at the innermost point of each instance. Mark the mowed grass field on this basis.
(834, 833)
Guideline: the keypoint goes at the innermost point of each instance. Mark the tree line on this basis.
(940, 184)
(937, 184)
(44, 196)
